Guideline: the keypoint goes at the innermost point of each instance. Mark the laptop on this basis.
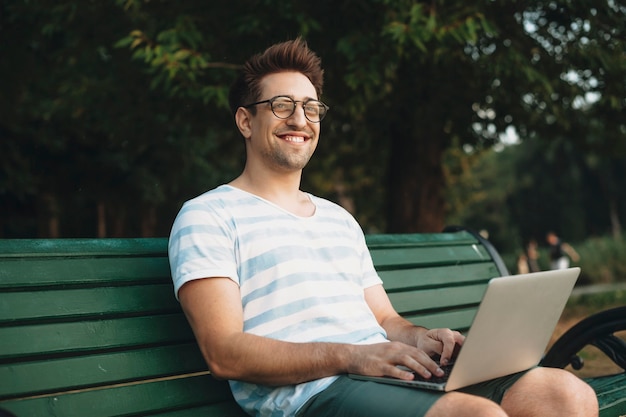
(510, 332)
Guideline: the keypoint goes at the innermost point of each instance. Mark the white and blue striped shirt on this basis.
(301, 278)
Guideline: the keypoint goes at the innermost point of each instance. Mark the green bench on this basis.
(90, 327)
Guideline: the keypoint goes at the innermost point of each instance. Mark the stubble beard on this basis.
(289, 160)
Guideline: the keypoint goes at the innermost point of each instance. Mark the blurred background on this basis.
(503, 116)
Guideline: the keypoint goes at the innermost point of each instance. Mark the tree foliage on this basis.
(113, 113)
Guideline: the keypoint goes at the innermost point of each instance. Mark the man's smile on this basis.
(294, 137)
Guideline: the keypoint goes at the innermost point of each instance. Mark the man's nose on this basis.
(298, 118)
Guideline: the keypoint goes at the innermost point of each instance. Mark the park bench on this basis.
(90, 327)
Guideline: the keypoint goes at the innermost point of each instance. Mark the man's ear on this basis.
(243, 121)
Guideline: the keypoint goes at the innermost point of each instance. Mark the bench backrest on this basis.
(90, 327)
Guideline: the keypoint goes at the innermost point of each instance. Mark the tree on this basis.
(88, 145)
(134, 110)
(422, 76)
(464, 73)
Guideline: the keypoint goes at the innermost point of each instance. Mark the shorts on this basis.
(348, 397)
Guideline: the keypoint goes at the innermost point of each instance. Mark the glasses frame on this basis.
(295, 105)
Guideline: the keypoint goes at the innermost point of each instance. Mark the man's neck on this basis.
(283, 190)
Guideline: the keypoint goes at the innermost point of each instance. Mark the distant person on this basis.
(532, 256)
(522, 263)
(560, 252)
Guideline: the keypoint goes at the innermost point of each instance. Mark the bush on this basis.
(602, 260)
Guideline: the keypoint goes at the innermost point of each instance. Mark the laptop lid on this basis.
(510, 331)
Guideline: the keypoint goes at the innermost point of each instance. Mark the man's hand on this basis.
(442, 342)
(420, 344)
(392, 359)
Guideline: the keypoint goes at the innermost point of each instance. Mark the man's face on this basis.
(283, 144)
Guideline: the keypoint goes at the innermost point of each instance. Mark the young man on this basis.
(279, 287)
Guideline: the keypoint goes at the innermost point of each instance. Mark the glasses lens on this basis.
(314, 110)
(283, 107)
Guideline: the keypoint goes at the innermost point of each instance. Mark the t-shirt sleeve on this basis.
(201, 245)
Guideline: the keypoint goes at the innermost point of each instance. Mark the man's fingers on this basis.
(450, 344)
(451, 348)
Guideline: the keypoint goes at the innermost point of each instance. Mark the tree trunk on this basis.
(49, 216)
(119, 221)
(616, 226)
(416, 184)
(102, 220)
(149, 221)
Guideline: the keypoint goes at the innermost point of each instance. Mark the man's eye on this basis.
(312, 109)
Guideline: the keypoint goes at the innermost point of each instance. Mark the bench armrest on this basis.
(597, 330)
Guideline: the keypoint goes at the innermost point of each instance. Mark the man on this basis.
(559, 252)
(280, 290)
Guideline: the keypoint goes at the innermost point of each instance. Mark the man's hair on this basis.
(292, 55)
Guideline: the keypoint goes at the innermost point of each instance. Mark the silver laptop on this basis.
(510, 331)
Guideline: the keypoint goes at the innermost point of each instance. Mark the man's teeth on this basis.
(298, 139)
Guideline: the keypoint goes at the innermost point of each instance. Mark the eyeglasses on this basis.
(284, 107)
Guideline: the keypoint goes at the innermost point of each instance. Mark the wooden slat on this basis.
(437, 298)
(38, 377)
(611, 392)
(458, 319)
(24, 273)
(215, 410)
(388, 258)
(130, 400)
(441, 276)
(375, 241)
(99, 301)
(33, 248)
(62, 338)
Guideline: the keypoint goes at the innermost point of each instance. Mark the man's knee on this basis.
(555, 383)
(465, 405)
(549, 389)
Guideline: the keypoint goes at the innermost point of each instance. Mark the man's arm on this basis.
(569, 250)
(213, 308)
(434, 342)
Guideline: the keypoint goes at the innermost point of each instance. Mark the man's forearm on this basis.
(261, 360)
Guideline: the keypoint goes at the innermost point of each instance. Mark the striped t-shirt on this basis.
(301, 278)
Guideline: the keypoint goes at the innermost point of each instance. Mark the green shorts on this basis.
(348, 397)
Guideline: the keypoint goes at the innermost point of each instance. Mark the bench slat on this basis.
(380, 240)
(102, 302)
(437, 298)
(218, 410)
(52, 339)
(141, 399)
(458, 319)
(110, 247)
(82, 271)
(385, 258)
(611, 391)
(442, 276)
(52, 375)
